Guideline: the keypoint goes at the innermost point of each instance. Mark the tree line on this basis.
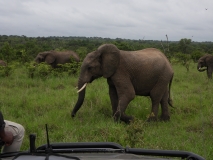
(25, 49)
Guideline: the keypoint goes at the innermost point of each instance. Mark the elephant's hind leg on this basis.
(164, 107)
(123, 102)
(157, 96)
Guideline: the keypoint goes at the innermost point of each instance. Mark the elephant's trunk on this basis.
(81, 95)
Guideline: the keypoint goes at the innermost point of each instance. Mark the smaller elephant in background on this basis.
(206, 63)
(54, 58)
(3, 63)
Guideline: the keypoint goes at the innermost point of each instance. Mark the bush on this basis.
(41, 70)
(184, 59)
(44, 70)
(5, 71)
(196, 55)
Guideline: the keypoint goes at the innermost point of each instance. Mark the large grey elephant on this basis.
(129, 73)
(3, 63)
(54, 57)
(206, 63)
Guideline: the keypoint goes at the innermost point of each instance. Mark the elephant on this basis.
(3, 63)
(206, 63)
(144, 72)
(54, 57)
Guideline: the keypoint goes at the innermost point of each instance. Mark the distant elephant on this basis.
(129, 73)
(206, 61)
(3, 63)
(54, 57)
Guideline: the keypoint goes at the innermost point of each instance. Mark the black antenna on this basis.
(49, 149)
(32, 138)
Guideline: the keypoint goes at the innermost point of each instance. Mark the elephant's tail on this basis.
(169, 98)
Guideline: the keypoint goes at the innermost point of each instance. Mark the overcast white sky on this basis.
(127, 19)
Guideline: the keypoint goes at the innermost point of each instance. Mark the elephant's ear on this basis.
(49, 59)
(110, 59)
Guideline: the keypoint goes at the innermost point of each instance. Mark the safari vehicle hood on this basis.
(96, 151)
(93, 151)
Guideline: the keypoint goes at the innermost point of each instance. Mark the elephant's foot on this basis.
(152, 119)
(165, 117)
(127, 119)
(124, 118)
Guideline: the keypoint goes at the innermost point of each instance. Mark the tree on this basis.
(82, 52)
(6, 52)
(196, 55)
(184, 59)
(184, 45)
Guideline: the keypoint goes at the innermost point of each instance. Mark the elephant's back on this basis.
(150, 53)
(147, 56)
(149, 67)
(150, 63)
(70, 54)
(155, 56)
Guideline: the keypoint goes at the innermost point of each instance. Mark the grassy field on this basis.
(36, 102)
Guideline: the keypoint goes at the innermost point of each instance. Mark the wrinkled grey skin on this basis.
(54, 57)
(3, 63)
(129, 73)
(206, 61)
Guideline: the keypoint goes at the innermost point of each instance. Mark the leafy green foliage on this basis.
(71, 68)
(184, 59)
(6, 52)
(6, 71)
(82, 52)
(43, 70)
(184, 45)
(31, 68)
(25, 49)
(135, 132)
(23, 56)
(196, 55)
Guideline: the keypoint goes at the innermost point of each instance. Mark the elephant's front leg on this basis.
(113, 96)
(122, 105)
(120, 98)
(114, 99)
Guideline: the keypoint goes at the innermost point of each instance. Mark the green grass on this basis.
(36, 102)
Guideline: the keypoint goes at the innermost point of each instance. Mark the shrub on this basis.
(43, 70)
(6, 71)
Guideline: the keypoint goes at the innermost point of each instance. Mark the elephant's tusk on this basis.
(201, 69)
(84, 86)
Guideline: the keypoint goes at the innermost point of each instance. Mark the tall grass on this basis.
(36, 102)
